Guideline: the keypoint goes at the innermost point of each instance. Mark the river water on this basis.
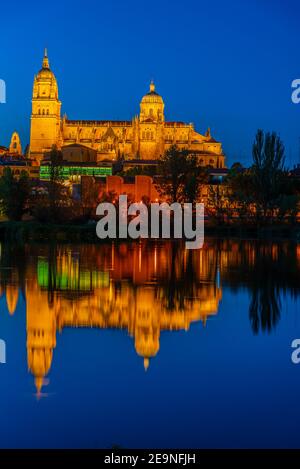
(149, 345)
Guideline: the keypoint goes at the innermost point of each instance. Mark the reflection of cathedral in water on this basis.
(142, 288)
(132, 287)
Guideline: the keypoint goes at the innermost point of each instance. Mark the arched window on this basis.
(147, 135)
(43, 112)
(47, 112)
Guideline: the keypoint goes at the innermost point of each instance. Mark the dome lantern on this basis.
(152, 106)
(152, 87)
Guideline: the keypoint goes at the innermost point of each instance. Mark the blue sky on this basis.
(224, 64)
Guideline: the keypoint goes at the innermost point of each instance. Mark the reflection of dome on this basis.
(152, 96)
(147, 342)
(39, 361)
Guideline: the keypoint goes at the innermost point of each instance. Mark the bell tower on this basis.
(45, 115)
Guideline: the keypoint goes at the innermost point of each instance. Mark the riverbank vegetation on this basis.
(261, 200)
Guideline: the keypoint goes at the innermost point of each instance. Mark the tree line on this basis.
(263, 193)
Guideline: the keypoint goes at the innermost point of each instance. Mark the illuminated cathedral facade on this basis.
(146, 137)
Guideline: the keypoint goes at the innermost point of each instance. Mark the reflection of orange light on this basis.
(140, 259)
(136, 305)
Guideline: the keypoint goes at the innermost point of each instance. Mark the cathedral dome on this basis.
(152, 96)
(152, 106)
(45, 72)
(45, 88)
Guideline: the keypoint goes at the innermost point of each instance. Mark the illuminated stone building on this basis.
(14, 159)
(3, 150)
(15, 147)
(145, 137)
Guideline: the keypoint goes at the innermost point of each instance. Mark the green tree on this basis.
(268, 171)
(14, 194)
(218, 203)
(172, 172)
(55, 186)
(90, 196)
(240, 192)
(195, 177)
(56, 205)
(180, 176)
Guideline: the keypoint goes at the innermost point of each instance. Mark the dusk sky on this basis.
(227, 65)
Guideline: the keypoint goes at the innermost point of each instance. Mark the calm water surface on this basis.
(150, 345)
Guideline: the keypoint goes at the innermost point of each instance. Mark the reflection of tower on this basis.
(132, 292)
(41, 333)
(147, 328)
(12, 295)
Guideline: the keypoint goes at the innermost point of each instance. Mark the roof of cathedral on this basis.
(98, 122)
(176, 123)
(116, 123)
(212, 140)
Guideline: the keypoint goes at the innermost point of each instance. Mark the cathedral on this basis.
(145, 137)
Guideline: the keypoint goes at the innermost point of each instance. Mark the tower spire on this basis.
(45, 59)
